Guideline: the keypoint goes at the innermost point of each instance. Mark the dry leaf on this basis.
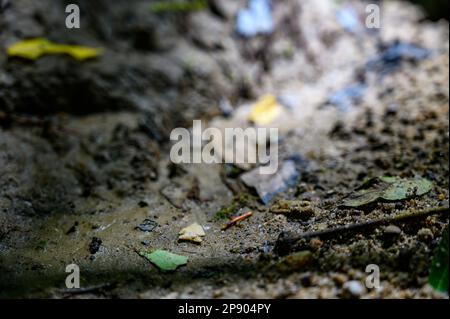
(193, 233)
(387, 188)
(265, 110)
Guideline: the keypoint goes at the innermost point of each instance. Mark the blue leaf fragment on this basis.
(400, 51)
(391, 57)
(345, 98)
(348, 18)
(256, 19)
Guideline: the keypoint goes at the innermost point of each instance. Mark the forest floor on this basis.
(84, 154)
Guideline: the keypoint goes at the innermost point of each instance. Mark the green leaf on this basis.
(165, 260)
(438, 277)
(402, 189)
(387, 188)
(178, 6)
(389, 179)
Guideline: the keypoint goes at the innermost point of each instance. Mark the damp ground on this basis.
(84, 154)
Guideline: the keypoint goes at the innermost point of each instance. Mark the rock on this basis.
(95, 244)
(147, 225)
(339, 279)
(315, 243)
(172, 295)
(218, 293)
(142, 203)
(353, 289)
(269, 185)
(392, 231)
(295, 261)
(293, 209)
(425, 235)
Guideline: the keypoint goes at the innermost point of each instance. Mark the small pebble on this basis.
(95, 244)
(147, 225)
(143, 203)
(425, 235)
(392, 230)
(217, 293)
(390, 234)
(339, 279)
(353, 289)
(315, 243)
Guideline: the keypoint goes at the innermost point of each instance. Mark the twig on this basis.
(286, 239)
(77, 291)
(235, 220)
(7, 119)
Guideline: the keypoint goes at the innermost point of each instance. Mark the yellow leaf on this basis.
(77, 52)
(193, 233)
(33, 49)
(265, 110)
(29, 49)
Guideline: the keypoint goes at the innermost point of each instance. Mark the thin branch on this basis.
(287, 240)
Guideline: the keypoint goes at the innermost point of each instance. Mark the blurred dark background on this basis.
(435, 9)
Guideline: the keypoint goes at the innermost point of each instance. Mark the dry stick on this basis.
(235, 220)
(285, 239)
(30, 121)
(75, 291)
